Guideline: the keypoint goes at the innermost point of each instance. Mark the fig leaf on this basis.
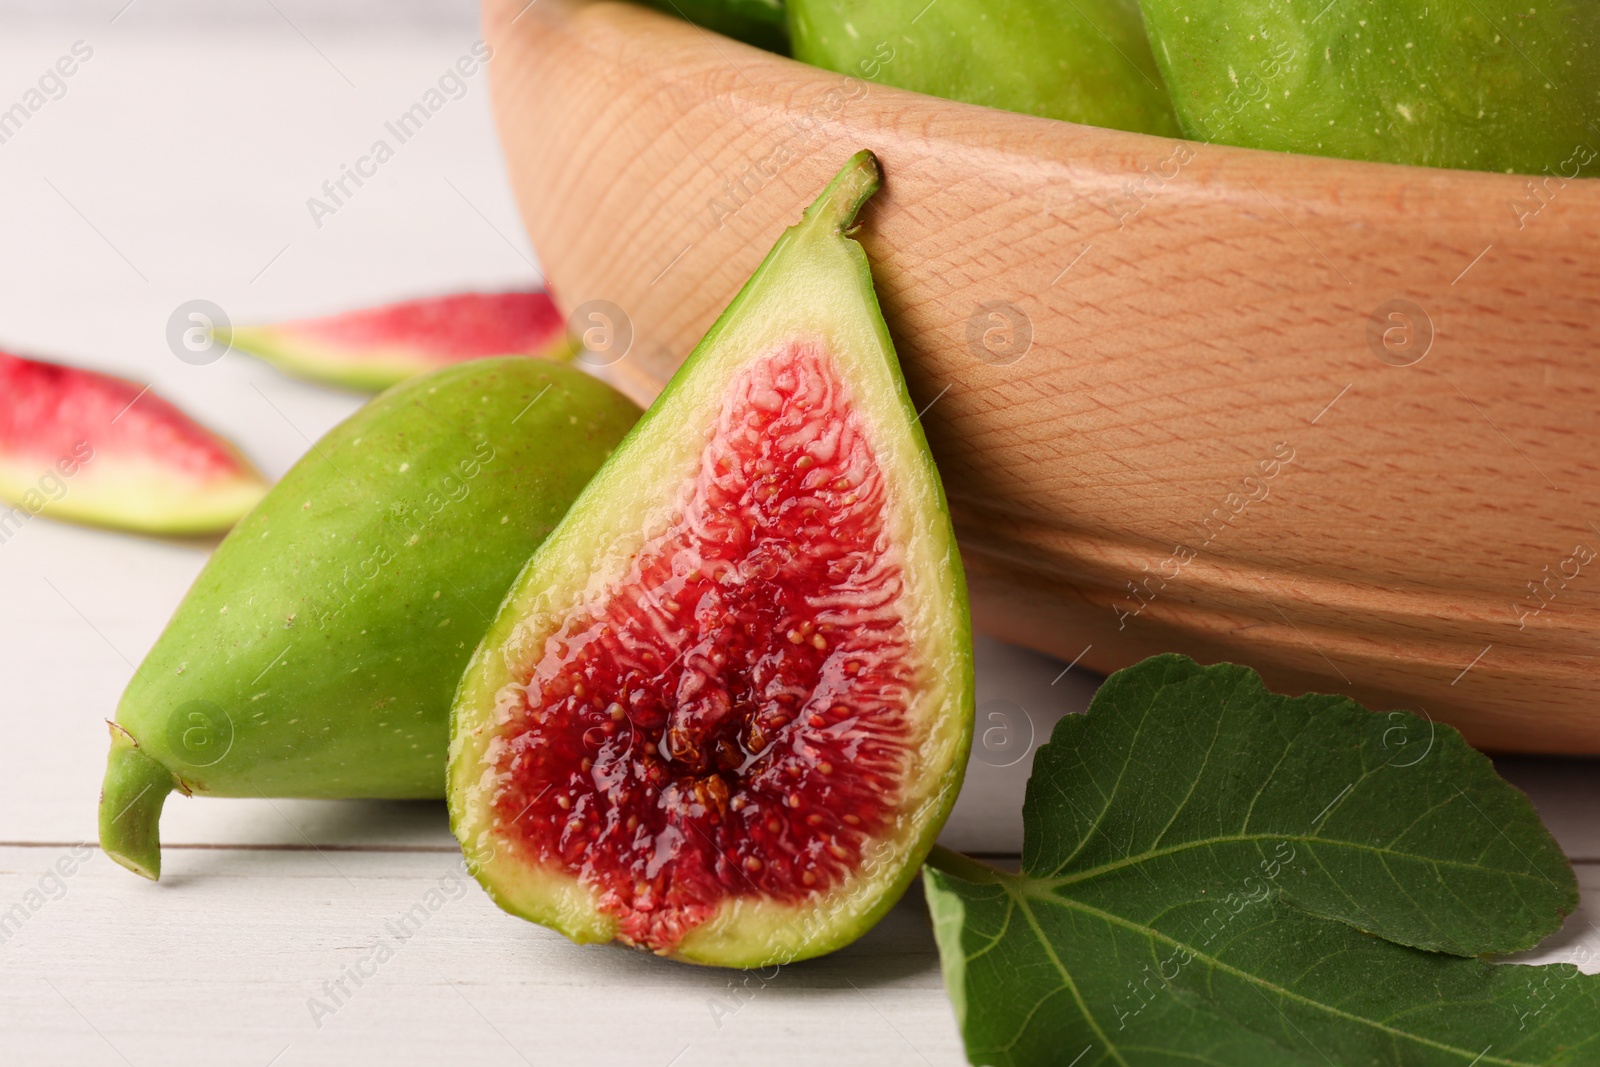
(1215, 873)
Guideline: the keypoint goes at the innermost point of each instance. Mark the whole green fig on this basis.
(1087, 61)
(318, 651)
(1474, 84)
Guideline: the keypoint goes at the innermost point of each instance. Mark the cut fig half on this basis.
(727, 706)
(374, 348)
(92, 448)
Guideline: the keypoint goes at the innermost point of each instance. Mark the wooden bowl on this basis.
(1335, 420)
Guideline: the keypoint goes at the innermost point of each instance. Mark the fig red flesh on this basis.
(731, 720)
(727, 705)
(462, 326)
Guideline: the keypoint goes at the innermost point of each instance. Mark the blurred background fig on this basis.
(374, 348)
(92, 448)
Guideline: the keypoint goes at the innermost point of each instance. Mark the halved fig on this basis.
(727, 706)
(87, 447)
(375, 348)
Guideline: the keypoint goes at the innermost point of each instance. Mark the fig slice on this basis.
(89, 447)
(374, 348)
(727, 706)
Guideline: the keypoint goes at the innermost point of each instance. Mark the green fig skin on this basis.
(317, 653)
(1087, 61)
(1468, 84)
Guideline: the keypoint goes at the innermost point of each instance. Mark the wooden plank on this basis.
(241, 954)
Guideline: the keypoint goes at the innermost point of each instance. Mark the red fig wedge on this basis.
(374, 348)
(726, 708)
(91, 448)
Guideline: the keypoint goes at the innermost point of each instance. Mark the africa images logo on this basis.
(51, 85)
(451, 85)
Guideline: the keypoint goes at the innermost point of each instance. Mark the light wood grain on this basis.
(1173, 349)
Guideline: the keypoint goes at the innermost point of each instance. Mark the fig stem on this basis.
(131, 798)
(852, 187)
(964, 867)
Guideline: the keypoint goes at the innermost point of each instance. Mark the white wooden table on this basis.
(176, 166)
